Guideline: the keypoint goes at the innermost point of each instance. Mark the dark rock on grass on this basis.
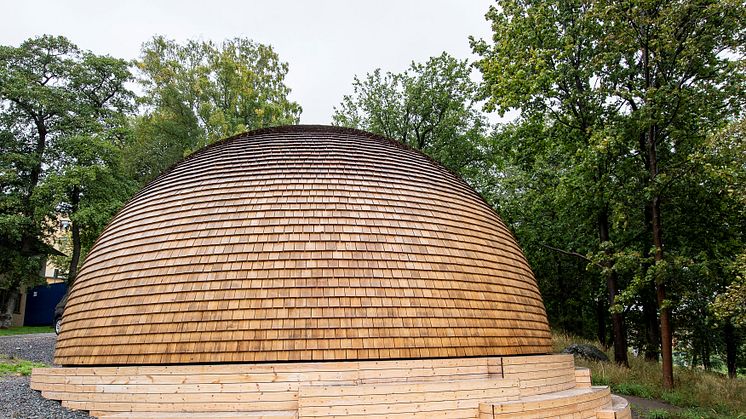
(589, 352)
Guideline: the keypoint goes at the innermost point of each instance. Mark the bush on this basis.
(657, 414)
(676, 398)
(632, 389)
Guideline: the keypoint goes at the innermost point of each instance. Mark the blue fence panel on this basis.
(40, 303)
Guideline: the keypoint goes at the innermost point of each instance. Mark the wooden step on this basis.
(453, 399)
(619, 409)
(212, 415)
(582, 377)
(428, 388)
(579, 402)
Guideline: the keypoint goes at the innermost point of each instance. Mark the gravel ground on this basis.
(38, 347)
(17, 400)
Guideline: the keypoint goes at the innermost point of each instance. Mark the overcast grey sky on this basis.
(326, 42)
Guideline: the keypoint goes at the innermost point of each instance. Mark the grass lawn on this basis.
(13, 366)
(25, 330)
(701, 394)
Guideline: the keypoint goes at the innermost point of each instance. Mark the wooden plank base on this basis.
(535, 386)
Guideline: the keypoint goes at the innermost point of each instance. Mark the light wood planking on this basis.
(582, 377)
(619, 409)
(443, 399)
(577, 402)
(210, 415)
(448, 387)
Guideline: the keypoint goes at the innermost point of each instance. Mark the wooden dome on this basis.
(303, 243)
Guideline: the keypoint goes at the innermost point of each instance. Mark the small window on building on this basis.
(56, 273)
(17, 307)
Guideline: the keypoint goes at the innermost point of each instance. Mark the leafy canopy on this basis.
(199, 92)
(62, 124)
(431, 107)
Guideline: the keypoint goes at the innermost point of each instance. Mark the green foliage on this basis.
(200, 92)
(429, 107)
(632, 389)
(618, 102)
(657, 414)
(25, 330)
(545, 209)
(62, 124)
(561, 162)
(11, 366)
(732, 303)
(675, 398)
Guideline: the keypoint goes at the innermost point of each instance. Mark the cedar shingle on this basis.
(303, 243)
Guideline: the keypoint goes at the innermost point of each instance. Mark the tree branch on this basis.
(576, 254)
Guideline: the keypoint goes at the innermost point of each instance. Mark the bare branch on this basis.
(576, 254)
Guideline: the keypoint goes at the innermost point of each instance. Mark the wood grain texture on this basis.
(303, 243)
(441, 388)
(581, 403)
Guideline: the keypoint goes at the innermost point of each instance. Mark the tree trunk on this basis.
(660, 283)
(27, 208)
(706, 364)
(695, 360)
(7, 303)
(652, 335)
(617, 322)
(649, 310)
(75, 227)
(601, 313)
(731, 347)
(617, 318)
(651, 162)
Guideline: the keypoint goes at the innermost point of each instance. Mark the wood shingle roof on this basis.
(303, 243)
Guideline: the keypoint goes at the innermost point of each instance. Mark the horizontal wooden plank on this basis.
(210, 415)
(444, 398)
(536, 359)
(553, 400)
(400, 388)
(423, 397)
(275, 367)
(291, 398)
(436, 408)
(168, 407)
(172, 388)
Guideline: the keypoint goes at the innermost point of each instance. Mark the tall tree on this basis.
(53, 99)
(523, 162)
(85, 174)
(663, 74)
(430, 107)
(725, 158)
(669, 64)
(541, 62)
(199, 92)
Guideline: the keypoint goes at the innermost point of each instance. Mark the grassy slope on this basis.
(26, 330)
(703, 394)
